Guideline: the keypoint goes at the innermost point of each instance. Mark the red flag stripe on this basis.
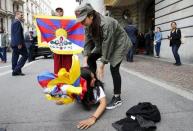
(76, 37)
(45, 31)
(64, 23)
(76, 26)
(48, 22)
(46, 39)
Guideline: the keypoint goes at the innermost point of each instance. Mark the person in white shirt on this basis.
(95, 94)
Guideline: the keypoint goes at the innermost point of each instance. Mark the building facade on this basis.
(7, 9)
(3, 14)
(98, 5)
(28, 7)
(35, 7)
(141, 12)
(149, 14)
(180, 11)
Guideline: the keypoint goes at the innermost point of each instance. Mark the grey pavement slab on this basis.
(24, 108)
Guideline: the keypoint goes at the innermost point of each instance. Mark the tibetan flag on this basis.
(63, 35)
(44, 78)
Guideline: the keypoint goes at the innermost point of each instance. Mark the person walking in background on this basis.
(132, 33)
(3, 45)
(175, 42)
(157, 41)
(18, 45)
(29, 43)
(110, 43)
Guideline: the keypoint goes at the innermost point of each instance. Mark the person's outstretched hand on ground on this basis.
(85, 124)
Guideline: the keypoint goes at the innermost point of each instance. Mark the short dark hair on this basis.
(173, 22)
(59, 9)
(18, 11)
(159, 28)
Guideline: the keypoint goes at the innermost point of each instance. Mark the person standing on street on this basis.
(107, 40)
(157, 41)
(132, 33)
(3, 46)
(61, 61)
(175, 42)
(18, 45)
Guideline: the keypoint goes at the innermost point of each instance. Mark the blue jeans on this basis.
(3, 54)
(157, 48)
(175, 53)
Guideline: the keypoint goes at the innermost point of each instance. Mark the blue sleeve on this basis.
(159, 37)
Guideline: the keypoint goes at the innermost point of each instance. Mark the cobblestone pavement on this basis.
(180, 76)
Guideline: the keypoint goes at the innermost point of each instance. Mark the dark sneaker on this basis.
(15, 74)
(21, 74)
(177, 64)
(115, 102)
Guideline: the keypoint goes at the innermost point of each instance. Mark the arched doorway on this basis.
(149, 27)
(146, 10)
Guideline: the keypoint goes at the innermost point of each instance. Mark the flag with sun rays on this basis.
(62, 34)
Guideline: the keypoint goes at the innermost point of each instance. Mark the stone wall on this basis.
(117, 13)
(137, 12)
(180, 11)
(98, 5)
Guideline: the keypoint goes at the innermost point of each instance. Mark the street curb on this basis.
(188, 94)
(160, 59)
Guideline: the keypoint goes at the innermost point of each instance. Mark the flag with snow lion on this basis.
(61, 34)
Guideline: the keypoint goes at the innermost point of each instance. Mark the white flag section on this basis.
(61, 45)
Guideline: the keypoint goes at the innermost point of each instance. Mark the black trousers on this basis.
(30, 51)
(17, 63)
(175, 48)
(114, 71)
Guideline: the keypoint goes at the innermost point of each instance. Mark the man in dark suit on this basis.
(17, 45)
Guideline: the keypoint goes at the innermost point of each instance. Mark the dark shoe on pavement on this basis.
(128, 60)
(21, 74)
(115, 102)
(15, 74)
(178, 64)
